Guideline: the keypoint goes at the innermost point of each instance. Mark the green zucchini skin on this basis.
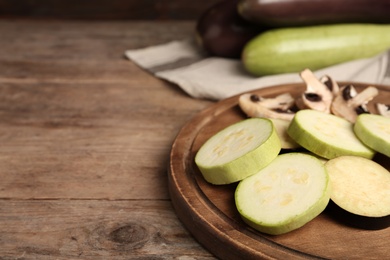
(286, 13)
(288, 50)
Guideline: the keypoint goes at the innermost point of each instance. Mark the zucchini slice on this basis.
(361, 187)
(374, 131)
(285, 195)
(326, 135)
(238, 151)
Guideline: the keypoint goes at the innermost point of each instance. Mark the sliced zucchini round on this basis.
(326, 135)
(374, 131)
(238, 151)
(291, 191)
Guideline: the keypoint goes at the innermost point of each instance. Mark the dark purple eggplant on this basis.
(361, 222)
(287, 13)
(222, 32)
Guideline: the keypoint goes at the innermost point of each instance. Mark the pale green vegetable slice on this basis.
(326, 135)
(360, 186)
(285, 195)
(281, 126)
(374, 131)
(238, 151)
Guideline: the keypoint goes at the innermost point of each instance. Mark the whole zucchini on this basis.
(288, 50)
(285, 13)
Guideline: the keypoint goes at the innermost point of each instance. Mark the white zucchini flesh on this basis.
(326, 135)
(360, 186)
(285, 195)
(374, 131)
(281, 126)
(238, 151)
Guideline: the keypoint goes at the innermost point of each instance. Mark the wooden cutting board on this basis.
(209, 211)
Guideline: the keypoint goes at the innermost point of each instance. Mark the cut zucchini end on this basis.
(374, 131)
(275, 200)
(326, 135)
(238, 151)
(360, 187)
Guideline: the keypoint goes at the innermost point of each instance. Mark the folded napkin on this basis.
(184, 63)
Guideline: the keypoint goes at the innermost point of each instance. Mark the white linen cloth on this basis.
(183, 63)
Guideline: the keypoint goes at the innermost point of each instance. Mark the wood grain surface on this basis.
(85, 140)
(210, 213)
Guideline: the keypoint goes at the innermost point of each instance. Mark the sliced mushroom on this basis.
(317, 95)
(279, 107)
(331, 84)
(349, 104)
(383, 109)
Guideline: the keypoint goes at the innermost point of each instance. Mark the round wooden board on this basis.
(209, 212)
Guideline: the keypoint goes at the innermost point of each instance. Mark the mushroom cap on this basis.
(278, 107)
(383, 109)
(317, 95)
(348, 103)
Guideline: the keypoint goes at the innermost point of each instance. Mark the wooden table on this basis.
(85, 137)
